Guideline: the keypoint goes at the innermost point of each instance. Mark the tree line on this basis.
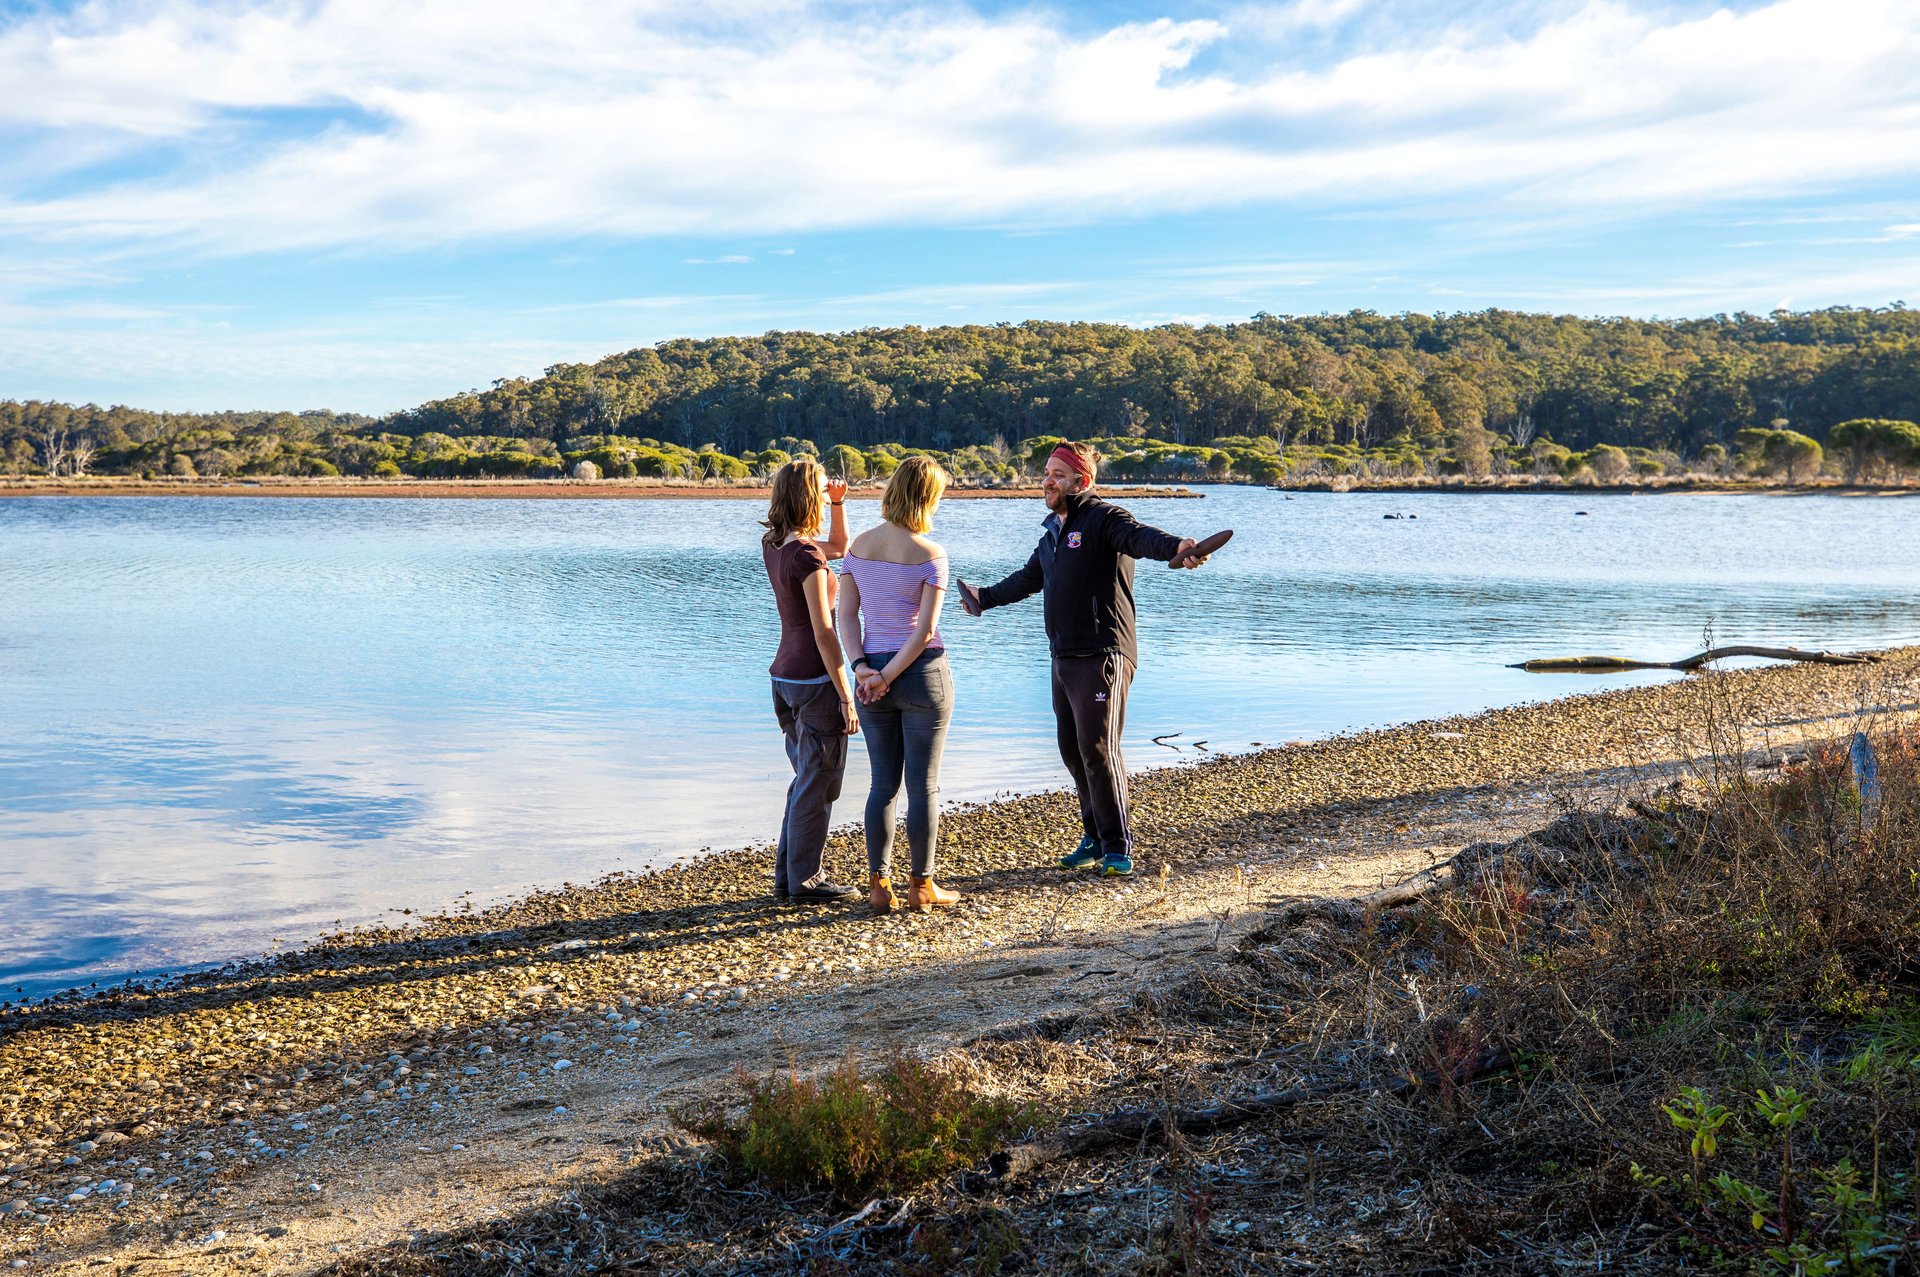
(1476, 393)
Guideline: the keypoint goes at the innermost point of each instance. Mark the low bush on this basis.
(854, 1134)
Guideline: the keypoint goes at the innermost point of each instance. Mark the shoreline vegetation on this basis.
(1623, 914)
(1361, 398)
(699, 489)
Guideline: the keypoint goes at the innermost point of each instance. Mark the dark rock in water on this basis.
(1413, 516)
(1579, 514)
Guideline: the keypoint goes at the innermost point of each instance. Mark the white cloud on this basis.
(485, 120)
(731, 259)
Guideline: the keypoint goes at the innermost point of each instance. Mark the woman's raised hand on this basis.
(836, 490)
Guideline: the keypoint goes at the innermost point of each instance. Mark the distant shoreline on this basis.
(1658, 487)
(663, 489)
(484, 489)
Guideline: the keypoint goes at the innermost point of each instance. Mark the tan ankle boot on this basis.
(880, 894)
(924, 893)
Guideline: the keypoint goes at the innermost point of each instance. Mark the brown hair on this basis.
(795, 504)
(1086, 453)
(912, 493)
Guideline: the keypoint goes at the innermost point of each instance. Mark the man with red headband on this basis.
(1084, 565)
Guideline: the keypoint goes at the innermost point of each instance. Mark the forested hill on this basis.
(1358, 378)
(1409, 386)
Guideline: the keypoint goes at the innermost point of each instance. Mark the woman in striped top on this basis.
(891, 587)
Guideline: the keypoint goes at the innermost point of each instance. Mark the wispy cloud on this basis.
(730, 259)
(231, 127)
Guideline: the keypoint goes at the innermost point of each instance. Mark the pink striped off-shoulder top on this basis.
(890, 599)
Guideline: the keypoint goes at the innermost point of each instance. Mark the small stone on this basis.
(562, 1064)
(211, 1238)
(12, 1208)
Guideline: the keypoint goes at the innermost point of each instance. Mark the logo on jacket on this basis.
(1073, 540)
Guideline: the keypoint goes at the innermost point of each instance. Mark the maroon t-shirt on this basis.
(788, 567)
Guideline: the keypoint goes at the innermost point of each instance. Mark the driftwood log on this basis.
(1139, 1124)
(1573, 664)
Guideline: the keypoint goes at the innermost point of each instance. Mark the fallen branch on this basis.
(1592, 664)
(1424, 883)
(848, 1234)
(1139, 1124)
(1350, 909)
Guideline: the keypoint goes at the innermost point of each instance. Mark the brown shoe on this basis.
(880, 894)
(924, 893)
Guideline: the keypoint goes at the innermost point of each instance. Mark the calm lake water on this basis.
(226, 724)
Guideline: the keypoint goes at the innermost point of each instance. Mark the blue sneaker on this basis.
(1080, 857)
(1120, 866)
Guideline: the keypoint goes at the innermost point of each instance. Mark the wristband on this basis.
(836, 504)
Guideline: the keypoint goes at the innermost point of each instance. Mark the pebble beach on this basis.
(277, 1115)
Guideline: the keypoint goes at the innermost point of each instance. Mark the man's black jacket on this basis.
(1084, 562)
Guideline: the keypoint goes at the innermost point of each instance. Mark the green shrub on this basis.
(845, 462)
(853, 1135)
(1875, 448)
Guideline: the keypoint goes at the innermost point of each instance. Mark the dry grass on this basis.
(1713, 1004)
(1689, 964)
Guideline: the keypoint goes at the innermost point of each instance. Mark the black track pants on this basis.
(1090, 707)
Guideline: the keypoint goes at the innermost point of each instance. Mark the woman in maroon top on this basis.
(812, 696)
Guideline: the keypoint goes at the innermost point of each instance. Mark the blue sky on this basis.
(348, 204)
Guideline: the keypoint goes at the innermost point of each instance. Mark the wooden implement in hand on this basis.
(1201, 549)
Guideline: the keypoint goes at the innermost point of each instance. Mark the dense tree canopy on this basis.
(1472, 393)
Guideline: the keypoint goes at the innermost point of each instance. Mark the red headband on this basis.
(1073, 459)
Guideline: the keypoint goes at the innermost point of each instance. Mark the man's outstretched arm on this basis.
(1127, 535)
(1020, 585)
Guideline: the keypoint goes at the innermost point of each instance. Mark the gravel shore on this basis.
(274, 1116)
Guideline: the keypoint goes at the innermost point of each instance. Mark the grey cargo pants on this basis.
(816, 733)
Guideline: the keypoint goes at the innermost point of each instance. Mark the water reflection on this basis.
(226, 722)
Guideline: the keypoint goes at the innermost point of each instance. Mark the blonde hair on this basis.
(912, 492)
(794, 507)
